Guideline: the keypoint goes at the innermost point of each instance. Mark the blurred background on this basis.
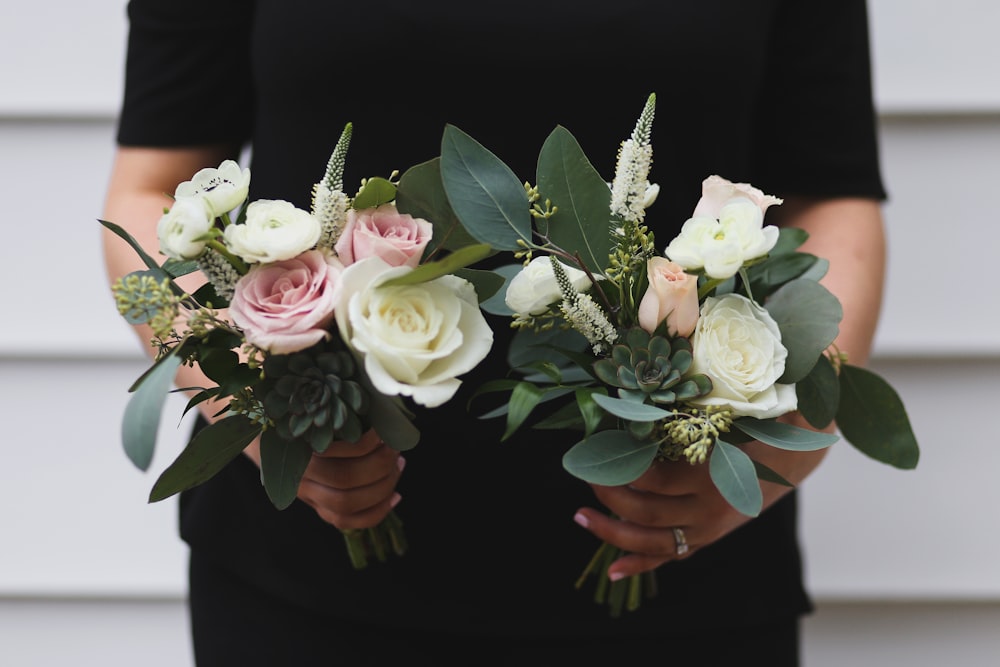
(904, 566)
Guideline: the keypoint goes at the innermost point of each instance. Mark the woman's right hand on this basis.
(352, 484)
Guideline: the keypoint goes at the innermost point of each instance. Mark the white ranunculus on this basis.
(274, 230)
(738, 345)
(534, 288)
(415, 339)
(182, 230)
(223, 189)
(722, 245)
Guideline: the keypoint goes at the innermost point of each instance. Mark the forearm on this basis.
(138, 191)
(849, 234)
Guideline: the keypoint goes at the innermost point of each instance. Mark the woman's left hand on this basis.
(677, 495)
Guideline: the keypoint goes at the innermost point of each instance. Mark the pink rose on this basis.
(398, 239)
(285, 306)
(672, 295)
(716, 192)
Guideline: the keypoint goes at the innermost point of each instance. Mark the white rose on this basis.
(534, 288)
(223, 189)
(726, 229)
(738, 345)
(274, 230)
(722, 245)
(182, 230)
(415, 339)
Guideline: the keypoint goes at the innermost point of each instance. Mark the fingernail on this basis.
(581, 519)
(615, 576)
(395, 500)
(401, 463)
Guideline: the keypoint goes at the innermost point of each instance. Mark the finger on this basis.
(349, 473)
(657, 543)
(672, 478)
(358, 508)
(632, 564)
(642, 508)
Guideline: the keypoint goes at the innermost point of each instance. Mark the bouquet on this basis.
(680, 356)
(314, 325)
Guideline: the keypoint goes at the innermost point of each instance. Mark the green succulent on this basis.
(653, 367)
(313, 396)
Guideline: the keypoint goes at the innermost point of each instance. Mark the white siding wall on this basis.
(903, 564)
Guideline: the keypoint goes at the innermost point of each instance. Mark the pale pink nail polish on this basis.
(581, 519)
(395, 500)
(616, 576)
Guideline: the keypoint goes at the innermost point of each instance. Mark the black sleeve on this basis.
(187, 73)
(815, 131)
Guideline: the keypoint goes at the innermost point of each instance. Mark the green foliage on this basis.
(420, 193)
(735, 477)
(449, 264)
(872, 417)
(484, 193)
(496, 304)
(784, 436)
(631, 410)
(609, 458)
(819, 393)
(282, 464)
(374, 193)
(808, 316)
(205, 455)
(774, 272)
(582, 223)
(486, 283)
(141, 421)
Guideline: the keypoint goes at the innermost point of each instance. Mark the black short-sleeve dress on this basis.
(775, 93)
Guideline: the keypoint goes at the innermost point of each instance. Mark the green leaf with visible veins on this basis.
(206, 454)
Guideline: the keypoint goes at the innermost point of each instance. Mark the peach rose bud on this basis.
(672, 295)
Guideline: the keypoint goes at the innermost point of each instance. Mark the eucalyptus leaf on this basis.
(819, 393)
(808, 316)
(774, 272)
(735, 477)
(420, 193)
(768, 475)
(789, 239)
(609, 458)
(631, 410)
(817, 271)
(282, 464)
(872, 417)
(206, 454)
(784, 436)
(449, 264)
(496, 304)
(374, 193)
(483, 192)
(141, 421)
(582, 223)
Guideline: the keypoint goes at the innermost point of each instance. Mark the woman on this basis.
(773, 93)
